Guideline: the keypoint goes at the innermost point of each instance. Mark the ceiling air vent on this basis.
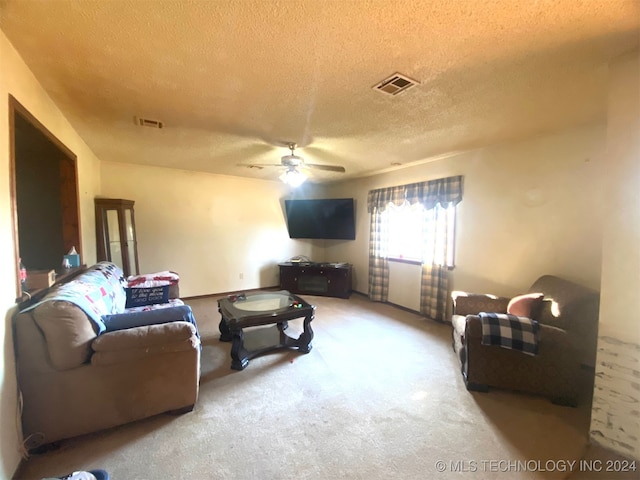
(146, 122)
(395, 84)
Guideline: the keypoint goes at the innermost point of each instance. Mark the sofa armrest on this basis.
(133, 344)
(473, 303)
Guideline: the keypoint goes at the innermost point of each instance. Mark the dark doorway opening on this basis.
(44, 194)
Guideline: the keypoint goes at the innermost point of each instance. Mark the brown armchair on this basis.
(567, 339)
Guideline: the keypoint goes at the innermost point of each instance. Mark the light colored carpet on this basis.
(379, 396)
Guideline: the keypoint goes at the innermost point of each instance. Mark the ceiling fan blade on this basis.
(259, 165)
(328, 168)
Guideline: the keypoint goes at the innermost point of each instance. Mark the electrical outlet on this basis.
(241, 276)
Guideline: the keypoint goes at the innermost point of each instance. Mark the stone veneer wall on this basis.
(615, 414)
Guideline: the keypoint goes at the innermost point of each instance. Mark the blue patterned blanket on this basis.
(510, 331)
(98, 291)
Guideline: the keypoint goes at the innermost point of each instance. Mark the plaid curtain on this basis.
(378, 263)
(434, 292)
(443, 191)
(439, 198)
(377, 202)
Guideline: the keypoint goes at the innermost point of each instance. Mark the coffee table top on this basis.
(262, 304)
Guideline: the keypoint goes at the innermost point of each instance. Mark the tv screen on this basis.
(331, 218)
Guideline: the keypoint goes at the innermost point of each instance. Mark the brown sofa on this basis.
(567, 339)
(74, 381)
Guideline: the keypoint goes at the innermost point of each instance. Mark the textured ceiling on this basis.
(234, 80)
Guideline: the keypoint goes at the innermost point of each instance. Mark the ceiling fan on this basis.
(293, 163)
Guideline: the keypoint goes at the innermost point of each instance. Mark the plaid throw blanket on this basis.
(510, 331)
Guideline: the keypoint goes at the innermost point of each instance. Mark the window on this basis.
(416, 234)
(413, 232)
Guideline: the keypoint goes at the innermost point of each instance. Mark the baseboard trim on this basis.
(224, 294)
(277, 287)
(406, 309)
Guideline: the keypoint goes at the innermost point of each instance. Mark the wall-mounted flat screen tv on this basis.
(329, 218)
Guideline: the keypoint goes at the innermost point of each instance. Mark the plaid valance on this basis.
(444, 191)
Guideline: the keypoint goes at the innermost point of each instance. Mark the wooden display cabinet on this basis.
(116, 233)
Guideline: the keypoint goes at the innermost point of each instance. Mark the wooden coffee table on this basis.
(261, 308)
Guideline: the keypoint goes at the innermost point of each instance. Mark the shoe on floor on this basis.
(83, 475)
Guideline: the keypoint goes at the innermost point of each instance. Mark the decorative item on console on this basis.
(71, 259)
(23, 276)
(37, 279)
(300, 259)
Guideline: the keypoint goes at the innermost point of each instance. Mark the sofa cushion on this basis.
(156, 316)
(472, 303)
(525, 305)
(68, 332)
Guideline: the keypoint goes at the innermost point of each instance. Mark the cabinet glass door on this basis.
(116, 233)
(131, 241)
(113, 232)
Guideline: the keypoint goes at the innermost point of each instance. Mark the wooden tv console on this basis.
(327, 279)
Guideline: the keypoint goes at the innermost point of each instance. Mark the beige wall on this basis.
(405, 281)
(529, 208)
(16, 79)
(614, 419)
(211, 229)
(621, 237)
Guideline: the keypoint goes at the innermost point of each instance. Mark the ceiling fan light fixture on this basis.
(292, 160)
(293, 177)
